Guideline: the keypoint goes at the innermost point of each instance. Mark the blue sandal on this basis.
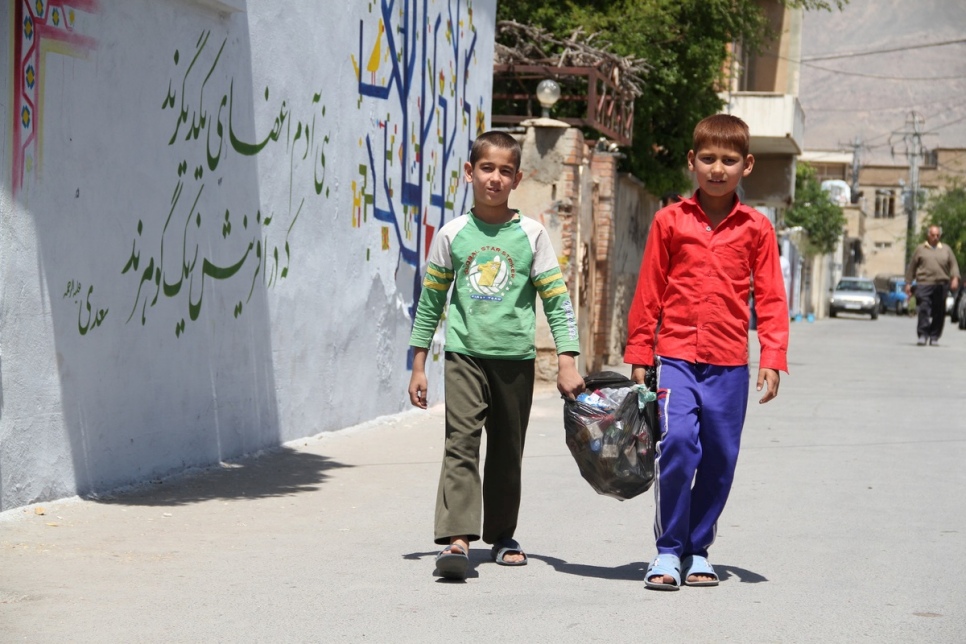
(698, 565)
(663, 564)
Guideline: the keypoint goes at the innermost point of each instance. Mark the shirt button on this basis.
(708, 229)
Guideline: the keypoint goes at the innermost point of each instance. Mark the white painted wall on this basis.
(269, 280)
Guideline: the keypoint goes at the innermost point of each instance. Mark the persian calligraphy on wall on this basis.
(203, 129)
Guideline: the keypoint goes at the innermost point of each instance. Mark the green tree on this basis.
(813, 210)
(685, 43)
(947, 209)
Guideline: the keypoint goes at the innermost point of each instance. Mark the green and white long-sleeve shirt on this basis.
(496, 272)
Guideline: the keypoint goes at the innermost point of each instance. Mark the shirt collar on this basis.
(693, 200)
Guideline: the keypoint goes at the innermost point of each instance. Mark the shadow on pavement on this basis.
(633, 571)
(476, 558)
(277, 473)
(744, 576)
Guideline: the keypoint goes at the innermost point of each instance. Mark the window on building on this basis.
(825, 171)
(885, 204)
(880, 245)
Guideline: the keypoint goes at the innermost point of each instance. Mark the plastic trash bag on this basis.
(611, 432)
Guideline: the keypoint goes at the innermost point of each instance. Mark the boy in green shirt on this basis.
(496, 261)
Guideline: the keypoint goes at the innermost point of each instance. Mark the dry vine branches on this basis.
(519, 44)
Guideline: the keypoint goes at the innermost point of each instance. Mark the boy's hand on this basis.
(569, 382)
(417, 389)
(417, 382)
(639, 373)
(770, 377)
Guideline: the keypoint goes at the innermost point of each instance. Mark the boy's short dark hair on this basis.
(496, 139)
(725, 130)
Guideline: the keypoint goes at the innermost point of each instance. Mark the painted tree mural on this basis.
(416, 58)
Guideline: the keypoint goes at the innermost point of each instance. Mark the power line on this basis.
(939, 127)
(884, 78)
(931, 116)
(804, 61)
(903, 108)
(889, 135)
(872, 52)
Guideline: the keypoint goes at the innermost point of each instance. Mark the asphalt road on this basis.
(846, 524)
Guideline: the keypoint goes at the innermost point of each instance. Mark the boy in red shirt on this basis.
(689, 320)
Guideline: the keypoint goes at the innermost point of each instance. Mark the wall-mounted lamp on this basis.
(548, 93)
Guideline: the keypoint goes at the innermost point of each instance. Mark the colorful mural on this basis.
(42, 27)
(203, 131)
(412, 65)
(418, 64)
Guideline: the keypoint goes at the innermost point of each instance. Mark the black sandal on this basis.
(450, 564)
(505, 547)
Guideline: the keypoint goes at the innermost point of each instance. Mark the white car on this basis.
(854, 295)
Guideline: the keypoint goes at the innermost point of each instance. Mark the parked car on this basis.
(958, 314)
(892, 294)
(854, 295)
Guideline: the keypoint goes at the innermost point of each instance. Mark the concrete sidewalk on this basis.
(846, 524)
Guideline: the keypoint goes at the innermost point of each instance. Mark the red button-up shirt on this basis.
(691, 301)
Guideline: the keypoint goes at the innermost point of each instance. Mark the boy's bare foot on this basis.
(463, 545)
(453, 561)
(513, 558)
(698, 578)
(664, 572)
(662, 579)
(698, 571)
(508, 552)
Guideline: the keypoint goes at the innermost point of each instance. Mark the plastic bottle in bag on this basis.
(613, 396)
(611, 441)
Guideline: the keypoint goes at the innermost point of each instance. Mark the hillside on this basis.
(846, 94)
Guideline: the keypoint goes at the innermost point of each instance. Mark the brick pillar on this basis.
(603, 167)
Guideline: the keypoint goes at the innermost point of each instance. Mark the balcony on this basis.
(777, 121)
(777, 125)
(592, 98)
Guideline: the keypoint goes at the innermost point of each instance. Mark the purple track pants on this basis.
(701, 410)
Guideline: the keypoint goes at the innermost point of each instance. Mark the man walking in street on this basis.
(934, 270)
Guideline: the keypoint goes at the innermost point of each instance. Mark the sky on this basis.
(867, 68)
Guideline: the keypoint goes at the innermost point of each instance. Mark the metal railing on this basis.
(608, 111)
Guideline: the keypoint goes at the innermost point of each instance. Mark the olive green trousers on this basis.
(495, 395)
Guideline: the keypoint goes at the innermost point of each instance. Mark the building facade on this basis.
(763, 91)
(879, 212)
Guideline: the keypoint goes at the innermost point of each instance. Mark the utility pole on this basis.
(856, 166)
(912, 139)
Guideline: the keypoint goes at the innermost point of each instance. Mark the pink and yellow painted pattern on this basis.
(41, 27)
